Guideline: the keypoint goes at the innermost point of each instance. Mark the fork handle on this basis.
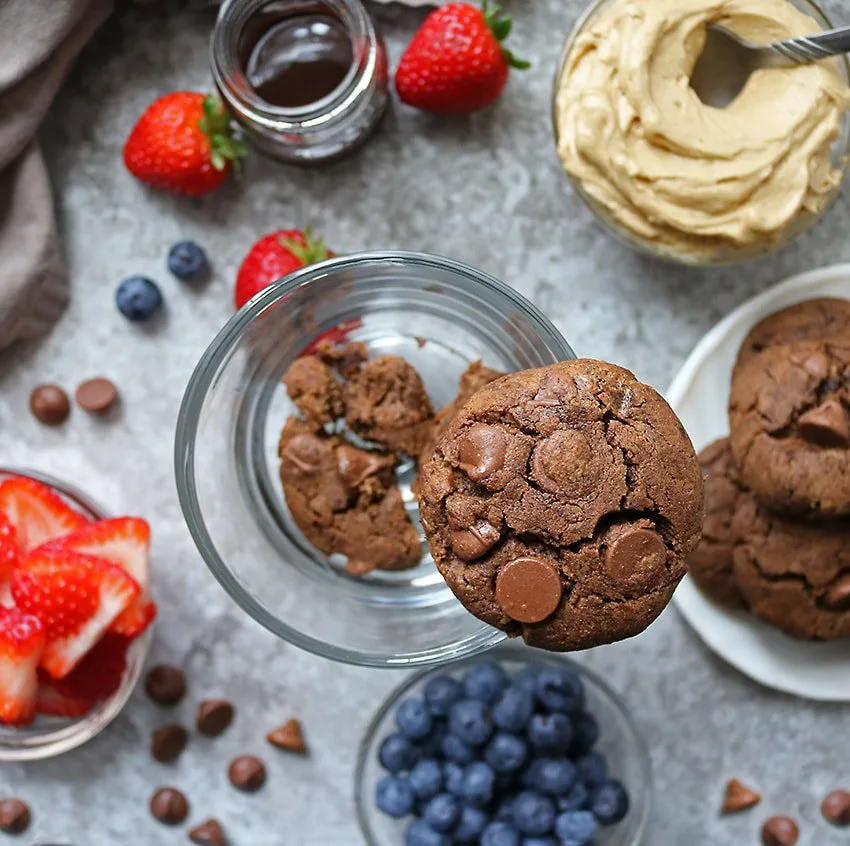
(810, 48)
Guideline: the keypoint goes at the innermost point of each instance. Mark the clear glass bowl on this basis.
(620, 741)
(438, 314)
(47, 736)
(724, 255)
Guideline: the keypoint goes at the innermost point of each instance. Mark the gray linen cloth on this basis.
(39, 40)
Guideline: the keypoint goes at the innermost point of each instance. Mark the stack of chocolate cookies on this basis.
(776, 536)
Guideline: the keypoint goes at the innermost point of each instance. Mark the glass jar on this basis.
(306, 79)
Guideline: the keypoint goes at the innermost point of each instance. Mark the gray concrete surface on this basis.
(487, 190)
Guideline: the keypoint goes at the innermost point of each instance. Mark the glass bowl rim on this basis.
(75, 732)
(634, 242)
(509, 652)
(198, 388)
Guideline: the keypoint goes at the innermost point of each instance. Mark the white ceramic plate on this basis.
(699, 395)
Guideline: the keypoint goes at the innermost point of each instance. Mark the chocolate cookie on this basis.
(813, 320)
(345, 500)
(561, 502)
(790, 427)
(794, 575)
(710, 564)
(314, 389)
(386, 402)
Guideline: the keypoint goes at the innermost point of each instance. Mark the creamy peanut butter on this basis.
(684, 176)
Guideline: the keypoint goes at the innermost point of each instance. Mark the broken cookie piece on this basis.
(314, 389)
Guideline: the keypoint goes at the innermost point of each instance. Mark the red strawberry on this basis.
(50, 701)
(22, 641)
(10, 554)
(274, 256)
(338, 336)
(455, 62)
(183, 143)
(125, 542)
(99, 674)
(37, 513)
(76, 597)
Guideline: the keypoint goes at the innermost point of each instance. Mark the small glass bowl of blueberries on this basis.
(513, 749)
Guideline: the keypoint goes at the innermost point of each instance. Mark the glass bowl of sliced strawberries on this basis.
(75, 615)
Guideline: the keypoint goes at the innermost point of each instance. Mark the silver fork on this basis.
(795, 51)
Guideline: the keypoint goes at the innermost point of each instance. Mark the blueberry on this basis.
(470, 825)
(187, 261)
(514, 708)
(554, 776)
(441, 692)
(578, 827)
(585, 734)
(394, 796)
(550, 733)
(454, 749)
(526, 678)
(138, 298)
(576, 800)
(534, 813)
(426, 779)
(470, 720)
(453, 778)
(592, 769)
(442, 812)
(419, 833)
(560, 690)
(505, 811)
(506, 753)
(610, 803)
(539, 841)
(499, 833)
(397, 754)
(432, 745)
(413, 719)
(485, 681)
(478, 783)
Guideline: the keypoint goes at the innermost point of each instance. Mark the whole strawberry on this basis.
(274, 256)
(183, 143)
(456, 62)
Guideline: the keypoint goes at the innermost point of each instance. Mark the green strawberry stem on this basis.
(217, 126)
(501, 29)
(313, 249)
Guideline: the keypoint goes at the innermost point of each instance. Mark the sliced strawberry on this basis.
(100, 673)
(125, 542)
(22, 641)
(51, 701)
(10, 554)
(37, 513)
(76, 597)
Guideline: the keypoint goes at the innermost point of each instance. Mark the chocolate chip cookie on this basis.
(813, 320)
(345, 500)
(313, 387)
(790, 427)
(710, 564)
(385, 402)
(561, 502)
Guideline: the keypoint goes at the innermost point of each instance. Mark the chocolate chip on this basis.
(214, 716)
(560, 463)
(635, 552)
(14, 816)
(166, 685)
(472, 542)
(168, 743)
(779, 831)
(289, 737)
(828, 425)
(739, 797)
(208, 833)
(304, 452)
(247, 772)
(481, 451)
(357, 465)
(836, 808)
(169, 806)
(96, 395)
(528, 589)
(838, 596)
(50, 405)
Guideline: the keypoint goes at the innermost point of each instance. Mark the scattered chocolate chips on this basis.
(828, 425)
(481, 451)
(214, 716)
(168, 743)
(247, 772)
(635, 552)
(166, 685)
(50, 405)
(739, 797)
(838, 596)
(208, 833)
(836, 808)
(528, 589)
(169, 806)
(14, 816)
(779, 831)
(289, 737)
(96, 395)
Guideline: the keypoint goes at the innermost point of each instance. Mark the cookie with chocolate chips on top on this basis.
(561, 502)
